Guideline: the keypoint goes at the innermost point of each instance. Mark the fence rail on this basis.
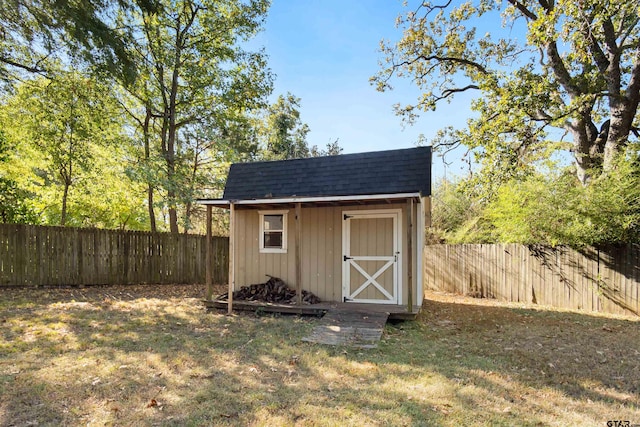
(601, 280)
(49, 256)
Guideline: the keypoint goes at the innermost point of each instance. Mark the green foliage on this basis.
(68, 157)
(284, 133)
(577, 71)
(37, 33)
(554, 209)
(557, 210)
(577, 67)
(451, 208)
(163, 96)
(537, 210)
(66, 119)
(13, 204)
(197, 89)
(331, 149)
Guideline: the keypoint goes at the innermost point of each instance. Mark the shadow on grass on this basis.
(576, 356)
(169, 362)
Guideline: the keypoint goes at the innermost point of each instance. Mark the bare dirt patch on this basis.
(152, 355)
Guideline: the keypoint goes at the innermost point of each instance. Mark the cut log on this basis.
(274, 290)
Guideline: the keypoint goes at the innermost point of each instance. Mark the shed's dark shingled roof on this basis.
(381, 172)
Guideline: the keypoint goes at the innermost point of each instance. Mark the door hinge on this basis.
(346, 258)
(346, 217)
(345, 299)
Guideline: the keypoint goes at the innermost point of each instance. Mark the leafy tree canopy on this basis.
(285, 135)
(68, 154)
(198, 85)
(284, 132)
(36, 33)
(575, 67)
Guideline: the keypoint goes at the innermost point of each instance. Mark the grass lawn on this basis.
(146, 355)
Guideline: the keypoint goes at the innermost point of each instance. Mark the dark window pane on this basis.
(273, 239)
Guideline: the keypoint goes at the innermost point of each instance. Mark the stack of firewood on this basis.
(273, 290)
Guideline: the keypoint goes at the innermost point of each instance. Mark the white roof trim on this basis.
(310, 199)
(214, 202)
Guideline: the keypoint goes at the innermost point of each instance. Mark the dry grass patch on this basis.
(147, 355)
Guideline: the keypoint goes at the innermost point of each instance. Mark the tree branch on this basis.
(29, 68)
(430, 8)
(598, 54)
(449, 92)
(610, 37)
(443, 59)
(523, 9)
(560, 70)
(633, 89)
(129, 112)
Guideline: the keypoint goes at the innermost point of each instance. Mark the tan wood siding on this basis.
(321, 248)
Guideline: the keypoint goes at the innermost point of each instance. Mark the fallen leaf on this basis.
(228, 415)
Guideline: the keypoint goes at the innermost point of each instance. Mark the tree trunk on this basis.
(586, 155)
(621, 122)
(171, 140)
(171, 173)
(173, 217)
(147, 157)
(152, 214)
(65, 195)
(187, 217)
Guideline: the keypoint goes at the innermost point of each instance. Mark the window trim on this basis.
(283, 249)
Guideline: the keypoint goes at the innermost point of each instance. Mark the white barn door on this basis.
(371, 256)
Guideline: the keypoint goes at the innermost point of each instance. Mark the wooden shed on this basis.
(349, 228)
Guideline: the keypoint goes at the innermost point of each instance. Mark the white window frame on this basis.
(283, 249)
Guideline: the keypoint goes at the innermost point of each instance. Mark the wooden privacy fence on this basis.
(49, 256)
(603, 280)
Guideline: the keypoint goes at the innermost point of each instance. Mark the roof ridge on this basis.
(378, 152)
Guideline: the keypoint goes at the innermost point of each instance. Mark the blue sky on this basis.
(324, 52)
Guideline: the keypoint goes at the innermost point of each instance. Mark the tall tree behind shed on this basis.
(195, 75)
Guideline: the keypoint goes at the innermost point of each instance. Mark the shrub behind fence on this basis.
(50, 256)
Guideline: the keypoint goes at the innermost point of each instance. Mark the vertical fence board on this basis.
(52, 256)
(593, 279)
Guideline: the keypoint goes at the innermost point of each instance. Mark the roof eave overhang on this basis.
(336, 200)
